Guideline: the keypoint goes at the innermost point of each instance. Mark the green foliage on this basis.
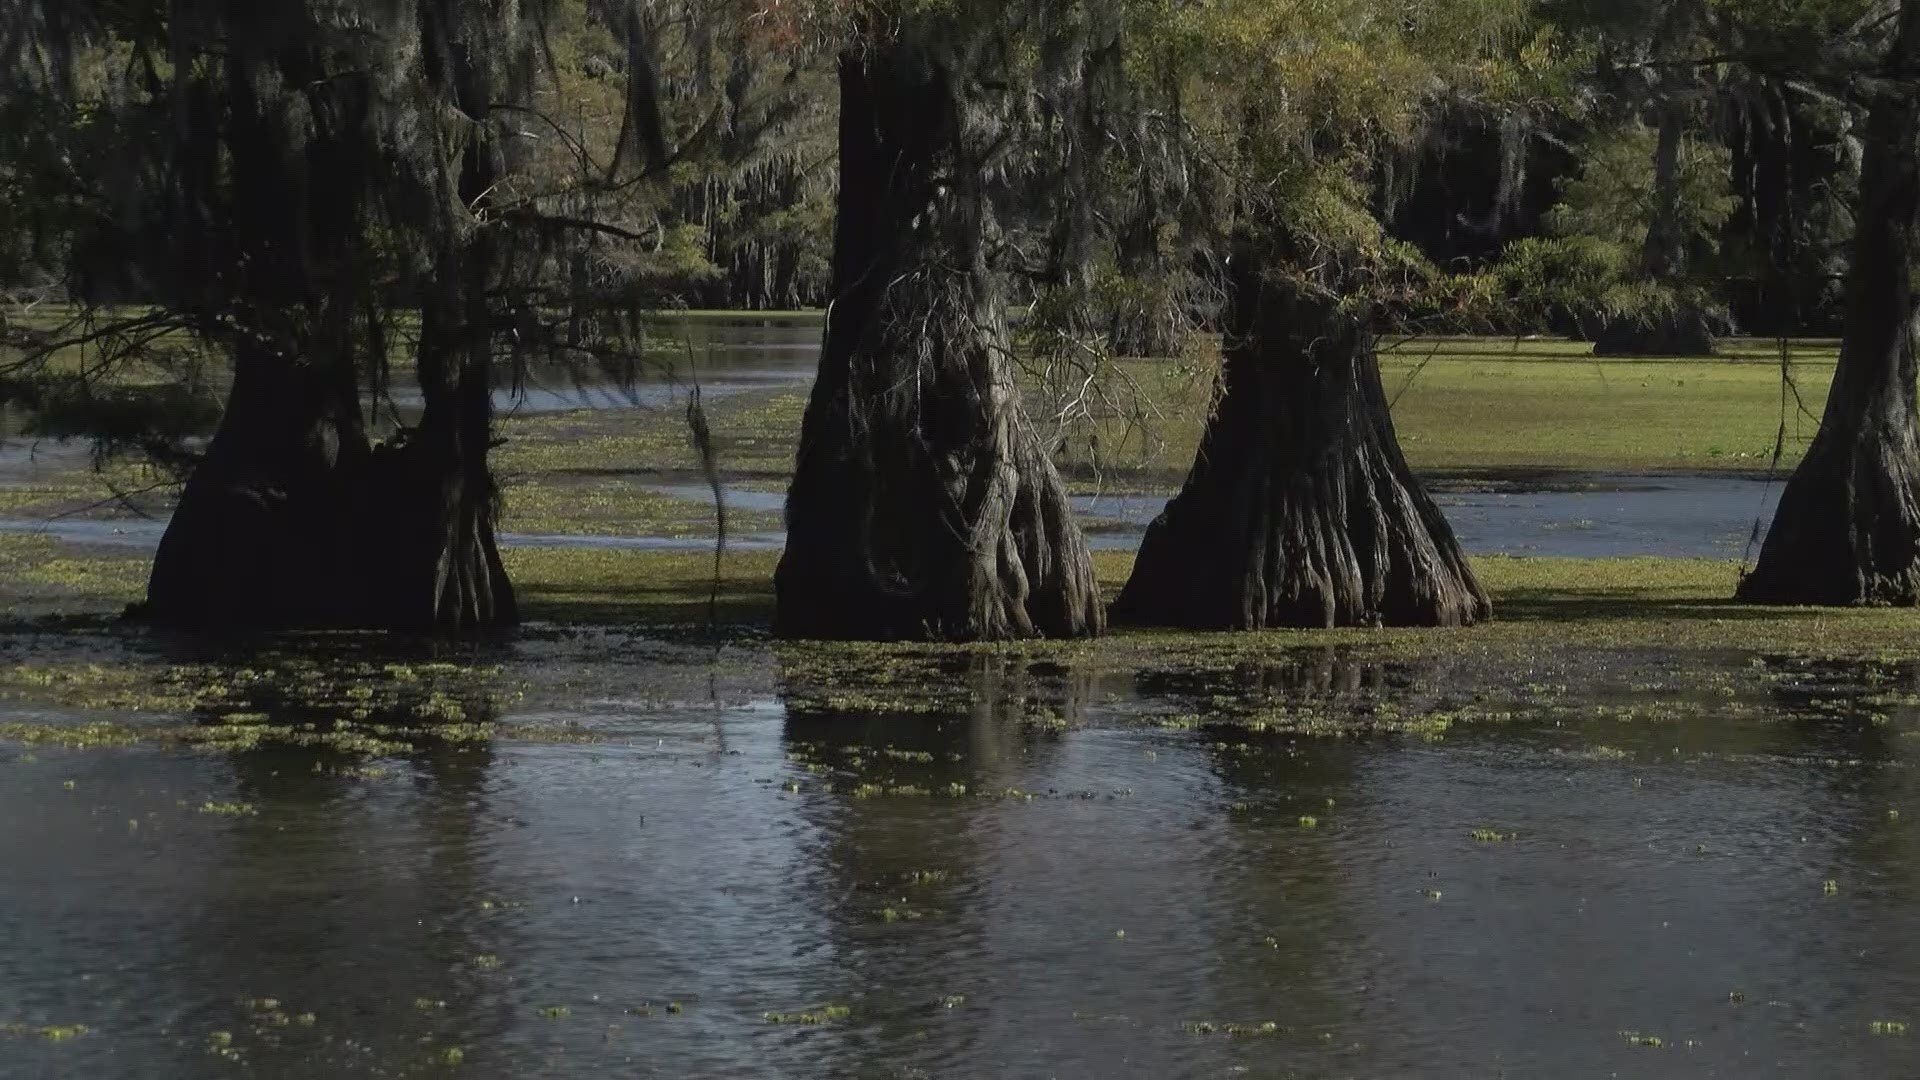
(1612, 198)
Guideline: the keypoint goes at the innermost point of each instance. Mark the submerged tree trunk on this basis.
(1848, 527)
(294, 522)
(1300, 510)
(923, 503)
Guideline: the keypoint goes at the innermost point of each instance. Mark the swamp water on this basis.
(593, 853)
(586, 852)
(1602, 516)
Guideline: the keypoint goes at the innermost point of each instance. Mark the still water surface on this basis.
(1131, 883)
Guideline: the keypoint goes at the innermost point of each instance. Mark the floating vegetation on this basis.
(1635, 1038)
(486, 962)
(1308, 821)
(452, 1056)
(826, 1014)
(1830, 887)
(53, 1033)
(554, 1012)
(1231, 1029)
(1889, 1027)
(1494, 836)
(229, 809)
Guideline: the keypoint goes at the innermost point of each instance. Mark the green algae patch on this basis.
(1539, 603)
(53, 1033)
(826, 1014)
(45, 576)
(754, 437)
(592, 585)
(615, 506)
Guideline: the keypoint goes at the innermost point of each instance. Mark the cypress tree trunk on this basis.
(430, 527)
(1300, 509)
(262, 536)
(1684, 330)
(293, 521)
(1848, 527)
(923, 504)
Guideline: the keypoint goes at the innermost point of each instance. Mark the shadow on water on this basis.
(304, 889)
(327, 879)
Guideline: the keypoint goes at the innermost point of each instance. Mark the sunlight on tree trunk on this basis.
(923, 503)
(1300, 509)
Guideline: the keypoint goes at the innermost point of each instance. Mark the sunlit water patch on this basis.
(1603, 517)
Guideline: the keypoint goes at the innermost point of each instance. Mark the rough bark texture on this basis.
(1300, 510)
(1848, 527)
(427, 532)
(923, 503)
(440, 548)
